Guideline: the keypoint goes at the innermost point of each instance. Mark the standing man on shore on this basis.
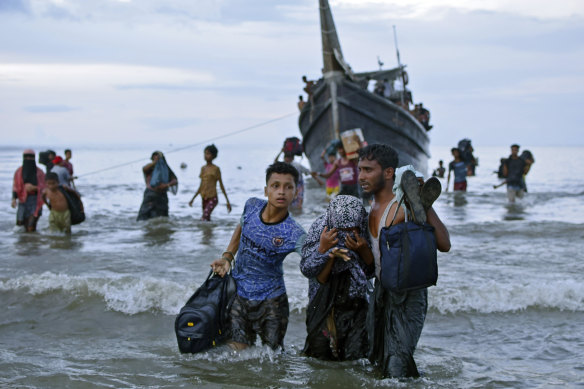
(395, 320)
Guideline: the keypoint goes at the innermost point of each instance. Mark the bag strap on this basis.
(396, 211)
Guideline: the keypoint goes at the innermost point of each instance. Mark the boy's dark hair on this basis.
(441, 162)
(282, 168)
(454, 149)
(515, 145)
(52, 176)
(67, 151)
(385, 155)
(212, 149)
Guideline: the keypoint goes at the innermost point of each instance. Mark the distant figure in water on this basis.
(348, 173)
(333, 182)
(61, 171)
(60, 216)
(337, 260)
(159, 180)
(514, 171)
(439, 171)
(69, 166)
(264, 237)
(302, 170)
(460, 171)
(27, 187)
(210, 175)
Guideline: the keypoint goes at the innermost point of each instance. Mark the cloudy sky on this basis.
(77, 72)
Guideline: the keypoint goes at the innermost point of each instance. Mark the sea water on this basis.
(97, 308)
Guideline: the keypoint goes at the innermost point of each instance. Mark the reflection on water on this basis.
(158, 231)
(515, 211)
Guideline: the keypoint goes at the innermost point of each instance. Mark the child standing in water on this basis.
(209, 176)
(332, 183)
(60, 216)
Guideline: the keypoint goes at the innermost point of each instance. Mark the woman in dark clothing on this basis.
(337, 260)
(159, 179)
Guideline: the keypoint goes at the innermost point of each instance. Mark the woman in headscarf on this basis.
(159, 179)
(337, 260)
(29, 182)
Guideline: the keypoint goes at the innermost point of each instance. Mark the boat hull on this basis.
(380, 120)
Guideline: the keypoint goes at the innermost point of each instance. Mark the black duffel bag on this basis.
(202, 323)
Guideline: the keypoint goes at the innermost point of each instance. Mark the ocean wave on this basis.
(126, 294)
(496, 297)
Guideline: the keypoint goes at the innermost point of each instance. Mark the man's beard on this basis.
(376, 187)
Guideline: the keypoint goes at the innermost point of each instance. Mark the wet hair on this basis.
(212, 149)
(515, 145)
(385, 155)
(282, 168)
(52, 176)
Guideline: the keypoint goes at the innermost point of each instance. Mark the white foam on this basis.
(492, 296)
(126, 294)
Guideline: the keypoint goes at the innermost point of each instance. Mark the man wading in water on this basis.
(395, 320)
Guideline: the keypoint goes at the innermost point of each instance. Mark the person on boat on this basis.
(61, 171)
(159, 179)
(301, 103)
(302, 170)
(439, 171)
(387, 88)
(395, 320)
(514, 170)
(27, 187)
(333, 182)
(210, 175)
(460, 169)
(337, 260)
(265, 235)
(308, 87)
(348, 173)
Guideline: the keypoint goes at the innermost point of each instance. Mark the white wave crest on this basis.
(493, 297)
(126, 294)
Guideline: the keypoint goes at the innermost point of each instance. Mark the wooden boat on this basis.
(341, 101)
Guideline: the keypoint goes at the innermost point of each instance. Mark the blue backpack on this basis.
(408, 256)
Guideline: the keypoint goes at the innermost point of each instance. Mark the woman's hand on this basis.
(328, 238)
(338, 252)
(358, 243)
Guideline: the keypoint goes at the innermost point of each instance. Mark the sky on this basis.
(179, 72)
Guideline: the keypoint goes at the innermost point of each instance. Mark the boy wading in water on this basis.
(60, 216)
(209, 176)
(395, 320)
(265, 235)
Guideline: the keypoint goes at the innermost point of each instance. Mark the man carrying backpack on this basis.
(264, 237)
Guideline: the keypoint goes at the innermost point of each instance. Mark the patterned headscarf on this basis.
(343, 212)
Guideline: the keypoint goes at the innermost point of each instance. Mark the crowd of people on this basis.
(32, 188)
(350, 315)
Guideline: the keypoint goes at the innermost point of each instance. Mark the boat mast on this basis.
(400, 66)
(333, 69)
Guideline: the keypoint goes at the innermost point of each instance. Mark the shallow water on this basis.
(97, 308)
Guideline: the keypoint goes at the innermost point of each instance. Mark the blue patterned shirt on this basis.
(258, 270)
